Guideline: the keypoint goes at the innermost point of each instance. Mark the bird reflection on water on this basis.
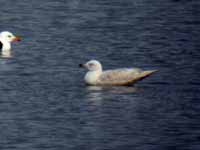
(98, 93)
(115, 89)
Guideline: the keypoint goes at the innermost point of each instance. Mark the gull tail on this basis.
(145, 74)
(141, 76)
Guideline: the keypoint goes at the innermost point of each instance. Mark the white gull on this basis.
(5, 42)
(124, 76)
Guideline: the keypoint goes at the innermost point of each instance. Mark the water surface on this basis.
(45, 104)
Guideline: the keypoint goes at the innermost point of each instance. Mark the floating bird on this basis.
(5, 42)
(124, 76)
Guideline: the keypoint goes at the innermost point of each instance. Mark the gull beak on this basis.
(82, 65)
(17, 39)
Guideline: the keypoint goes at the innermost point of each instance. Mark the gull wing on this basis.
(123, 76)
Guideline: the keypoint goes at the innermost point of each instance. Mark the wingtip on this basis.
(148, 72)
(151, 71)
(143, 75)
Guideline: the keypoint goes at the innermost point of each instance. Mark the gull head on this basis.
(92, 65)
(9, 37)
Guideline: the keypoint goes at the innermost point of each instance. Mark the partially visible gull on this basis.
(124, 76)
(5, 42)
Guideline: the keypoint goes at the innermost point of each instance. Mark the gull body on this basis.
(124, 76)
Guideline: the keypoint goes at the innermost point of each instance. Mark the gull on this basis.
(119, 77)
(6, 38)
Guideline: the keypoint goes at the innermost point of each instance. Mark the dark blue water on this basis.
(44, 103)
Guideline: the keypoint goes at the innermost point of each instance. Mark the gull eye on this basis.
(90, 64)
(9, 36)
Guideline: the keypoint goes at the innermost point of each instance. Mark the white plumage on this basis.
(5, 42)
